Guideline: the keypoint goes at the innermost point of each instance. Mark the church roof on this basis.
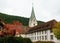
(32, 14)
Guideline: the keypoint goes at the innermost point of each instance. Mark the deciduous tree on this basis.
(56, 30)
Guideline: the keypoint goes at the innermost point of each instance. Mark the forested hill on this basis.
(11, 18)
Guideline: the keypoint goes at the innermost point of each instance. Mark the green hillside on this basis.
(10, 19)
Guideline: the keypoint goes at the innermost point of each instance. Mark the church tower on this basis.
(32, 20)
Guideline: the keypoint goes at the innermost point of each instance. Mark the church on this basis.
(40, 32)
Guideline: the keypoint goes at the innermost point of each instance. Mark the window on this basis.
(35, 38)
(46, 37)
(39, 32)
(45, 31)
(42, 32)
(42, 37)
(51, 37)
(35, 33)
(50, 31)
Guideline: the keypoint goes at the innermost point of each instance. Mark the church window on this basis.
(51, 37)
(51, 31)
(45, 31)
(46, 37)
(42, 32)
(35, 38)
(42, 37)
(39, 33)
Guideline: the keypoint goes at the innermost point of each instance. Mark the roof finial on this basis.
(32, 3)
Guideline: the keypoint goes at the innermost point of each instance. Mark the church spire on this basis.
(32, 14)
(32, 20)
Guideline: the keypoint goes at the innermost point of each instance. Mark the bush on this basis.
(27, 40)
(11, 39)
(19, 39)
(1, 40)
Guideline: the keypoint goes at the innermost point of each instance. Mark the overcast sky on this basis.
(45, 10)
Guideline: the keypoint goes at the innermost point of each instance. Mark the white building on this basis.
(42, 32)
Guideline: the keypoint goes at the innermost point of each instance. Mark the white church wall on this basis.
(45, 35)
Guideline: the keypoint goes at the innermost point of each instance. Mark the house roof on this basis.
(44, 26)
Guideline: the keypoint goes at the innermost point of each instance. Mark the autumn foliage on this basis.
(12, 29)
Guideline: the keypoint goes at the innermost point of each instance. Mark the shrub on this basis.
(11, 39)
(27, 40)
(19, 39)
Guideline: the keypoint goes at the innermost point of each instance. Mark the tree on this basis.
(56, 30)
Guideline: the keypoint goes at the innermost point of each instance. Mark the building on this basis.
(41, 32)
